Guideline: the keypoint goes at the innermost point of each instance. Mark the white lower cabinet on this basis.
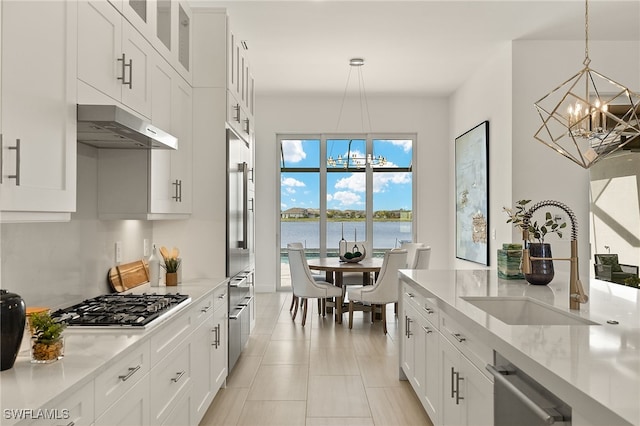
(170, 378)
(451, 388)
(467, 394)
(121, 376)
(170, 381)
(131, 409)
(219, 346)
(210, 354)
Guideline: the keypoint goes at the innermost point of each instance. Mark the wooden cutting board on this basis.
(129, 275)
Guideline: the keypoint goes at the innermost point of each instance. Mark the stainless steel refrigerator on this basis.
(239, 236)
(239, 243)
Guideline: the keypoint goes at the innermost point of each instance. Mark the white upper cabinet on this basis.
(171, 171)
(113, 57)
(38, 154)
(223, 61)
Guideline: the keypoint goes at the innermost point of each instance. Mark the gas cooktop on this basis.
(121, 310)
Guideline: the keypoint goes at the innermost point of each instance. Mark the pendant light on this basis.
(589, 116)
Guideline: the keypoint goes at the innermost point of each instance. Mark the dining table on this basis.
(334, 268)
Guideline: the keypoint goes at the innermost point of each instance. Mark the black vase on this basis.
(541, 270)
(13, 313)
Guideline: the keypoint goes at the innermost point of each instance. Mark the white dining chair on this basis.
(383, 291)
(305, 287)
(317, 277)
(422, 258)
(411, 251)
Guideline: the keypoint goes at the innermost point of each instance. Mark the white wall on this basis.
(314, 114)
(486, 95)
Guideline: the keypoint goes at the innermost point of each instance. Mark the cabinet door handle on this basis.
(458, 380)
(124, 67)
(218, 336)
(409, 333)
(178, 377)
(453, 392)
(178, 190)
(16, 147)
(246, 126)
(215, 339)
(427, 330)
(410, 295)
(459, 337)
(236, 109)
(429, 310)
(222, 296)
(252, 202)
(132, 371)
(205, 309)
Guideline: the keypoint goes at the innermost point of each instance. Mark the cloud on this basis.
(291, 182)
(381, 181)
(354, 182)
(329, 197)
(405, 144)
(347, 198)
(290, 190)
(292, 151)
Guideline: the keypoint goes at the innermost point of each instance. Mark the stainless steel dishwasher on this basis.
(518, 399)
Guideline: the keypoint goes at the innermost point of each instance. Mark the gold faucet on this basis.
(576, 290)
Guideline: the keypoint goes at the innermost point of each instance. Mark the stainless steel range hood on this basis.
(111, 127)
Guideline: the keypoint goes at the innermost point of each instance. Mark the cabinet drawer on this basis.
(429, 310)
(220, 296)
(169, 380)
(470, 345)
(120, 377)
(173, 332)
(131, 409)
(412, 297)
(202, 310)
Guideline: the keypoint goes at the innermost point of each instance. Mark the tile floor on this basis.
(322, 374)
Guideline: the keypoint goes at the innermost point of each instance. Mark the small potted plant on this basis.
(542, 270)
(47, 342)
(171, 265)
(632, 281)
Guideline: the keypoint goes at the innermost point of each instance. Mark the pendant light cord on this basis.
(587, 60)
(344, 96)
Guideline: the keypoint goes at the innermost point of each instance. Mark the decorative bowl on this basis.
(357, 259)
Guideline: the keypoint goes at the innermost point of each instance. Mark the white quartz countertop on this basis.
(87, 353)
(594, 368)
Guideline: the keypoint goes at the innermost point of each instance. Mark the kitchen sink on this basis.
(525, 311)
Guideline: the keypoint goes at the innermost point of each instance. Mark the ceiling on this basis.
(420, 47)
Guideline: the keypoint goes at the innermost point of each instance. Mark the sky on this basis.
(346, 190)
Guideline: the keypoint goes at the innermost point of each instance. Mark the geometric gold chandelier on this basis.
(589, 116)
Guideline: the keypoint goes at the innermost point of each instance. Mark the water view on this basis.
(386, 234)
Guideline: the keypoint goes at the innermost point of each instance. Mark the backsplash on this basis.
(58, 264)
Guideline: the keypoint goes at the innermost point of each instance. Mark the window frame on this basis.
(323, 170)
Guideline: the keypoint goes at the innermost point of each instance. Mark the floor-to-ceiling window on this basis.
(357, 187)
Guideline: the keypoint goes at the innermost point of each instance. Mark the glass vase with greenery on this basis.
(47, 342)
